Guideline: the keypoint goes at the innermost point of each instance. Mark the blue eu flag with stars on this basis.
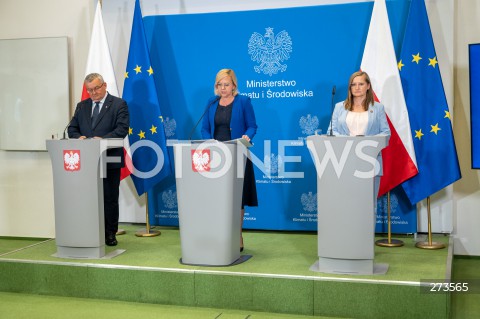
(428, 111)
(146, 133)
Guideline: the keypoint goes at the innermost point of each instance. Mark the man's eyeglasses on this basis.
(95, 89)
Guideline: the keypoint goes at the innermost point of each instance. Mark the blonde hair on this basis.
(369, 100)
(222, 74)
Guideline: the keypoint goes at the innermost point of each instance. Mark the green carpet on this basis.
(276, 279)
(24, 306)
(9, 244)
(278, 253)
(466, 305)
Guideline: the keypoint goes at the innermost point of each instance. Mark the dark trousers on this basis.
(111, 185)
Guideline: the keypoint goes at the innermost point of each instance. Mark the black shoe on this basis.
(241, 249)
(110, 240)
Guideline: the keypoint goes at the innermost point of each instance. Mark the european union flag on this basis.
(146, 134)
(427, 109)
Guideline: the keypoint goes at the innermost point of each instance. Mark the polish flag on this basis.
(100, 61)
(379, 61)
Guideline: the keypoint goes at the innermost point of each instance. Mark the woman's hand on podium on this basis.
(246, 137)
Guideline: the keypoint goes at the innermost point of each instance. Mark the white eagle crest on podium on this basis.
(269, 50)
(201, 160)
(71, 160)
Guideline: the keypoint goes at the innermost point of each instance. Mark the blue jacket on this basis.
(243, 118)
(377, 124)
(377, 120)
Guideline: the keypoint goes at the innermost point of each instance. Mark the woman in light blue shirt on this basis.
(360, 115)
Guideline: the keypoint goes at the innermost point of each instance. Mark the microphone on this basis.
(201, 117)
(333, 107)
(64, 131)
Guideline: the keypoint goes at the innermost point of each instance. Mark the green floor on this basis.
(466, 306)
(277, 254)
(24, 306)
(273, 253)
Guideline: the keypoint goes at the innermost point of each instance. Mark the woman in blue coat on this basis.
(230, 116)
(359, 114)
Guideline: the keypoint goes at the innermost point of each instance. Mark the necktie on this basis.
(95, 113)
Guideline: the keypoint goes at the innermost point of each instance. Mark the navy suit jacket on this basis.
(243, 118)
(113, 122)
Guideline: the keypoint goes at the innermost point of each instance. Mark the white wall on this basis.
(26, 195)
(467, 190)
(26, 188)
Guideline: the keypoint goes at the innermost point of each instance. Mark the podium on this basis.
(346, 198)
(78, 195)
(209, 180)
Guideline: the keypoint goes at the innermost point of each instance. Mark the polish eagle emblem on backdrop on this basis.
(170, 126)
(201, 160)
(71, 160)
(269, 50)
(271, 164)
(309, 202)
(309, 124)
(169, 199)
(382, 205)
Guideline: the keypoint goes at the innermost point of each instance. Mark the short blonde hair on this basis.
(222, 74)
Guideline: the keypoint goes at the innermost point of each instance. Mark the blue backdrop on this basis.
(291, 96)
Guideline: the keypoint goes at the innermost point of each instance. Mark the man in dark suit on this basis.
(103, 116)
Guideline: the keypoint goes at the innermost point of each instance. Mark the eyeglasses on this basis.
(95, 89)
(223, 85)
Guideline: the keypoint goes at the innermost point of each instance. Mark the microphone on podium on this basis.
(201, 117)
(70, 122)
(332, 107)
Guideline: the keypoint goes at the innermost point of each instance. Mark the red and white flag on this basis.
(100, 61)
(379, 61)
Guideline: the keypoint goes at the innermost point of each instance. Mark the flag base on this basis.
(147, 233)
(389, 243)
(429, 245)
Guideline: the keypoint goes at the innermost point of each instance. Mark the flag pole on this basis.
(147, 232)
(429, 244)
(389, 242)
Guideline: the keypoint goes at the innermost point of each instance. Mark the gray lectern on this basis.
(346, 168)
(78, 195)
(209, 179)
